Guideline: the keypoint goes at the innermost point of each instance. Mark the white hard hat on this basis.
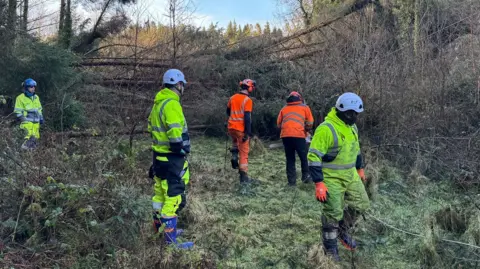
(173, 76)
(349, 101)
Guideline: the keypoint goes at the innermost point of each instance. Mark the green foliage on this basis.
(70, 113)
(57, 79)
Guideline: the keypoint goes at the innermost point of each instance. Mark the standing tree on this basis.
(258, 29)
(266, 29)
(179, 14)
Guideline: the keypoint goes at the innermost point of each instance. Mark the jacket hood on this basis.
(332, 116)
(293, 100)
(166, 94)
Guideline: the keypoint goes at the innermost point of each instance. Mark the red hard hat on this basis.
(294, 93)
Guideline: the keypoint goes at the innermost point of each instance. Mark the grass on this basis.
(98, 211)
(275, 226)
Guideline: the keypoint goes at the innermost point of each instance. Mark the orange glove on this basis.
(361, 173)
(321, 192)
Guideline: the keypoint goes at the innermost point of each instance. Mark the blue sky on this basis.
(242, 11)
(218, 11)
(205, 12)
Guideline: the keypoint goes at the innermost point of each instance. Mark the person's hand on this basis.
(321, 192)
(361, 173)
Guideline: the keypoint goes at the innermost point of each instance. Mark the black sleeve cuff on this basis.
(176, 147)
(248, 123)
(359, 163)
(228, 111)
(316, 173)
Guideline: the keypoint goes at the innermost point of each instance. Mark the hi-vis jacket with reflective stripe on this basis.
(28, 108)
(334, 150)
(238, 105)
(167, 124)
(294, 120)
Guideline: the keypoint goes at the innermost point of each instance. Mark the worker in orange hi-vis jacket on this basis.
(239, 110)
(295, 121)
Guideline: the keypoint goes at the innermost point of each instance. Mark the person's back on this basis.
(239, 109)
(295, 121)
(239, 104)
(170, 145)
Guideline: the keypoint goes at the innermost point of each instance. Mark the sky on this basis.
(203, 12)
(219, 11)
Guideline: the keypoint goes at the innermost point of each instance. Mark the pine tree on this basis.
(266, 30)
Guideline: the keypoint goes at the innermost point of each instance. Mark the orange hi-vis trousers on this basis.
(243, 148)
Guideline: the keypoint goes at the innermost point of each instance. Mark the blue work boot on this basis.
(329, 236)
(347, 241)
(157, 224)
(345, 225)
(171, 233)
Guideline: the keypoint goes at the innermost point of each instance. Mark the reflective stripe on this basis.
(160, 113)
(317, 164)
(175, 140)
(174, 125)
(235, 119)
(295, 120)
(160, 142)
(236, 112)
(339, 166)
(333, 152)
(316, 152)
(158, 129)
(157, 205)
(186, 143)
(294, 114)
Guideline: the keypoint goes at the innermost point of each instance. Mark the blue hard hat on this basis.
(29, 83)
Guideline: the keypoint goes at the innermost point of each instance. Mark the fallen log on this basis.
(93, 133)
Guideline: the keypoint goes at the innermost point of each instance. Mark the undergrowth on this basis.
(86, 204)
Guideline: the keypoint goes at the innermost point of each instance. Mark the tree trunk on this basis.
(173, 9)
(3, 19)
(62, 18)
(67, 26)
(25, 16)
(11, 20)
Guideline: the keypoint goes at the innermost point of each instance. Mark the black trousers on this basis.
(292, 145)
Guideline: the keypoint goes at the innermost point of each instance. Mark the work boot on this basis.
(347, 240)
(245, 179)
(345, 225)
(157, 224)
(306, 178)
(30, 144)
(329, 236)
(331, 249)
(171, 233)
(292, 182)
(234, 159)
